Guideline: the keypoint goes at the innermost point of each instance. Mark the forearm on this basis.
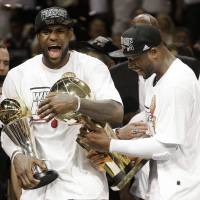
(104, 110)
(148, 148)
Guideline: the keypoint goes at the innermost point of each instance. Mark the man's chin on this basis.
(54, 59)
(146, 76)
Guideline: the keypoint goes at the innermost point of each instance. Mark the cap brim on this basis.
(117, 54)
(120, 54)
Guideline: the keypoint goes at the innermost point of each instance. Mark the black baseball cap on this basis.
(137, 40)
(52, 16)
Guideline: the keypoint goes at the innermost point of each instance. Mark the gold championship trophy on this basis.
(14, 116)
(119, 168)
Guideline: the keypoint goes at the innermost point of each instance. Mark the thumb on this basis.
(40, 163)
(88, 123)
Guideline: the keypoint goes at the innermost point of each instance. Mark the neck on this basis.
(55, 65)
(167, 60)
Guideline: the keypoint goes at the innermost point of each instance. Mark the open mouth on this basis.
(54, 51)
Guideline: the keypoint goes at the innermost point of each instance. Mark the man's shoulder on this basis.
(30, 62)
(83, 58)
(191, 62)
(182, 71)
(28, 65)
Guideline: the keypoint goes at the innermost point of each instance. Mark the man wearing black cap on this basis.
(172, 115)
(56, 140)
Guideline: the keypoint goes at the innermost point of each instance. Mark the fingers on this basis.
(97, 159)
(84, 140)
(90, 128)
(47, 99)
(50, 117)
(44, 102)
(139, 127)
(27, 181)
(26, 177)
(137, 135)
(45, 108)
(46, 112)
(41, 164)
(88, 138)
(83, 132)
(88, 123)
(132, 130)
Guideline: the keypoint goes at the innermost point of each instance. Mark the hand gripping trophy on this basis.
(16, 120)
(119, 168)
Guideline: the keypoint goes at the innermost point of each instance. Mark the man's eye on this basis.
(61, 31)
(45, 32)
(6, 63)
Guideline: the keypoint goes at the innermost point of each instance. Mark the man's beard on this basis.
(63, 54)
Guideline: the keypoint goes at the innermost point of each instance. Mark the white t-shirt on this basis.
(173, 108)
(31, 81)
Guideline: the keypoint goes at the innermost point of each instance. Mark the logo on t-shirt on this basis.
(150, 115)
(38, 94)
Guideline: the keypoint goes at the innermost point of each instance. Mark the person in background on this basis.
(98, 26)
(4, 159)
(4, 59)
(125, 80)
(98, 48)
(167, 27)
(18, 45)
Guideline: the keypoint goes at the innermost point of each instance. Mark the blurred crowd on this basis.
(178, 21)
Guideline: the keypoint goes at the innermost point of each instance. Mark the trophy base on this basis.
(45, 178)
(121, 179)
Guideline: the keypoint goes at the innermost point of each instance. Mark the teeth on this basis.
(54, 47)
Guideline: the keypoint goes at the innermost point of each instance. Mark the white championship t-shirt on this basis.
(173, 107)
(31, 81)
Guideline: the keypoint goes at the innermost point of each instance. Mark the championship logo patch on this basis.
(53, 13)
(150, 116)
(127, 44)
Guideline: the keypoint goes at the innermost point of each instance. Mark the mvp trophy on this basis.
(17, 127)
(119, 168)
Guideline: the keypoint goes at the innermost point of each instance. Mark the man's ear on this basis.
(71, 33)
(153, 53)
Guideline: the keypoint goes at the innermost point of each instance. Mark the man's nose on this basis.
(2, 66)
(53, 35)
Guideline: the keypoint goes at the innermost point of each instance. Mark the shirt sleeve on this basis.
(9, 91)
(8, 146)
(148, 148)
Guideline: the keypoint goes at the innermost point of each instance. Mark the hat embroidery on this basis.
(146, 47)
(127, 44)
(52, 13)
